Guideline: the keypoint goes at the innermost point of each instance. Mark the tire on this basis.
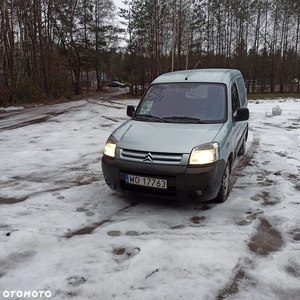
(224, 188)
(242, 150)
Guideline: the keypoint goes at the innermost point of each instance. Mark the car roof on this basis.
(199, 75)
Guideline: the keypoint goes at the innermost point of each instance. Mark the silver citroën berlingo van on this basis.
(183, 137)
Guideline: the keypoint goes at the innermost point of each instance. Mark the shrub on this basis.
(29, 91)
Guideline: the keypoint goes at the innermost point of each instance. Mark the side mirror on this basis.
(130, 110)
(242, 114)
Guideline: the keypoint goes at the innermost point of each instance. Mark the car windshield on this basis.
(184, 103)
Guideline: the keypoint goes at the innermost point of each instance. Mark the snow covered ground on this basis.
(63, 232)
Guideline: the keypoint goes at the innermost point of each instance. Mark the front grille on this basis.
(154, 157)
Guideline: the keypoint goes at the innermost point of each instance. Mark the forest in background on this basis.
(56, 48)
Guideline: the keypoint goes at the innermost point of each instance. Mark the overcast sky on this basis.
(119, 3)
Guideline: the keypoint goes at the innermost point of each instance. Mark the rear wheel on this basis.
(224, 188)
(242, 149)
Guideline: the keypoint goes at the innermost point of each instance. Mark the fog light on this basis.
(107, 181)
(198, 193)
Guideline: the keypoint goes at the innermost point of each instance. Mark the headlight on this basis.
(205, 154)
(110, 147)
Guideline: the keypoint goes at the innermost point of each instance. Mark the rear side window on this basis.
(234, 99)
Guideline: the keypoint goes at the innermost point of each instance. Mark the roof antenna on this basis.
(186, 78)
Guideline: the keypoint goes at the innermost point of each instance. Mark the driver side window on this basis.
(234, 99)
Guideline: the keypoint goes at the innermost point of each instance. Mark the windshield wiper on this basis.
(148, 117)
(183, 119)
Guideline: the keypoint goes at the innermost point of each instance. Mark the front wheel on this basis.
(224, 188)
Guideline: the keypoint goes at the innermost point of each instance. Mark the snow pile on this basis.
(276, 110)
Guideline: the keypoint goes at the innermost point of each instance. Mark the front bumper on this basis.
(183, 181)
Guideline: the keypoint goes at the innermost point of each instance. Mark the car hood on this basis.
(164, 137)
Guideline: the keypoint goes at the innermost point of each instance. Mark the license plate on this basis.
(146, 181)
